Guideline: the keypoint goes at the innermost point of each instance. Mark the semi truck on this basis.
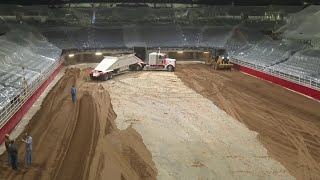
(114, 65)
(159, 61)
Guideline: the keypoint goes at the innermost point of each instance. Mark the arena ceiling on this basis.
(203, 2)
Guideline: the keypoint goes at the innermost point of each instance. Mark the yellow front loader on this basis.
(219, 63)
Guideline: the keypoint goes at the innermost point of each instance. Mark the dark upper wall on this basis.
(206, 2)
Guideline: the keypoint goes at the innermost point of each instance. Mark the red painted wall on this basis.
(11, 124)
(285, 83)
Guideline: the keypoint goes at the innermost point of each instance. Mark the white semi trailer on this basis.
(114, 65)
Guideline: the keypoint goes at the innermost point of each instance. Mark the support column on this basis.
(81, 58)
(195, 56)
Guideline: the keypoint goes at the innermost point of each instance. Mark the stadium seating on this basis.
(28, 40)
(243, 42)
(6, 95)
(24, 57)
(191, 36)
(214, 36)
(302, 63)
(108, 38)
(268, 53)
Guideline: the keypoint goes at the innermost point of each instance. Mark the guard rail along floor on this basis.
(307, 81)
(17, 102)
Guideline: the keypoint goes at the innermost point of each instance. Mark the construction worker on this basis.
(73, 94)
(7, 143)
(13, 151)
(28, 142)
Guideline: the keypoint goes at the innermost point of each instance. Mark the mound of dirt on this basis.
(288, 123)
(80, 140)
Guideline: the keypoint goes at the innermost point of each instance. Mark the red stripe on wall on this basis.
(16, 118)
(282, 82)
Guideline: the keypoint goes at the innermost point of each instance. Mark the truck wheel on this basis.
(110, 75)
(105, 77)
(138, 67)
(131, 67)
(116, 71)
(170, 68)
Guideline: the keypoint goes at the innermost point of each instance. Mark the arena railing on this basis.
(304, 80)
(18, 101)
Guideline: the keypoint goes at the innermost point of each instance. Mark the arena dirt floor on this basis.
(288, 123)
(148, 125)
(188, 136)
(81, 140)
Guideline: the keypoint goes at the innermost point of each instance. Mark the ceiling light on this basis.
(206, 52)
(180, 52)
(98, 53)
(71, 55)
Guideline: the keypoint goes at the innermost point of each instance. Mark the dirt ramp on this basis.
(80, 140)
(83, 142)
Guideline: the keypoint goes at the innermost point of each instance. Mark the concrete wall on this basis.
(84, 58)
(185, 56)
(189, 56)
(92, 58)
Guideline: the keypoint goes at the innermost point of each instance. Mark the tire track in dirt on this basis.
(288, 123)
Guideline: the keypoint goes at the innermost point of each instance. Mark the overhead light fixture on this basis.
(180, 52)
(206, 52)
(98, 53)
(71, 55)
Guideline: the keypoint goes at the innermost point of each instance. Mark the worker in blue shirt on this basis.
(73, 94)
(28, 142)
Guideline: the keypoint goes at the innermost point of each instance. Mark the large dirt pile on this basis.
(288, 123)
(188, 136)
(81, 140)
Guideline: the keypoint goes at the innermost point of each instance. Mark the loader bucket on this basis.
(224, 66)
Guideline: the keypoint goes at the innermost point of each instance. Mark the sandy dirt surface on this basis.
(80, 141)
(288, 123)
(188, 136)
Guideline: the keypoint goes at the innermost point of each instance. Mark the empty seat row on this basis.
(303, 63)
(24, 58)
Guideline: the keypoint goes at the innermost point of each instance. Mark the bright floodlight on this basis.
(180, 52)
(98, 53)
(71, 55)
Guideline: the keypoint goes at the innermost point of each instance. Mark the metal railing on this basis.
(304, 80)
(21, 97)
